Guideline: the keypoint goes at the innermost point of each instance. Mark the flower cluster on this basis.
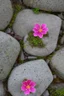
(28, 87)
(40, 30)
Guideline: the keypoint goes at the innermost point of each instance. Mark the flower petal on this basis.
(37, 26)
(45, 29)
(33, 84)
(35, 30)
(43, 26)
(28, 82)
(35, 34)
(40, 35)
(23, 88)
(27, 92)
(33, 90)
(24, 83)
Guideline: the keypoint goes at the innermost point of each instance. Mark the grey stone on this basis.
(24, 23)
(8, 30)
(62, 40)
(54, 76)
(57, 86)
(57, 63)
(6, 13)
(63, 25)
(32, 57)
(61, 15)
(22, 56)
(33, 70)
(2, 92)
(9, 50)
(47, 5)
(46, 93)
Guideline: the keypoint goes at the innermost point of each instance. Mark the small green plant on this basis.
(56, 92)
(21, 44)
(36, 10)
(35, 41)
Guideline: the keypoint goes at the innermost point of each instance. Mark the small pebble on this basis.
(46, 93)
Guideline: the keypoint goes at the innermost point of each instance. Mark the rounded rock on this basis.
(46, 5)
(2, 91)
(33, 70)
(25, 22)
(6, 13)
(9, 50)
(57, 63)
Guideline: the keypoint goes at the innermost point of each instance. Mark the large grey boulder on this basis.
(6, 13)
(48, 5)
(2, 92)
(57, 63)
(24, 23)
(36, 70)
(9, 50)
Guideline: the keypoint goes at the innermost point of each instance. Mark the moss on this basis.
(35, 41)
(56, 92)
(36, 10)
(20, 61)
(50, 56)
(21, 44)
(17, 8)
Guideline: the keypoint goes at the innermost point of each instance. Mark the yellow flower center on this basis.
(28, 87)
(40, 30)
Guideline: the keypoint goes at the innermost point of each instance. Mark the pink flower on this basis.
(28, 87)
(40, 30)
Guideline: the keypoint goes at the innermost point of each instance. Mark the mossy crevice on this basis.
(17, 8)
(36, 10)
(35, 41)
(56, 92)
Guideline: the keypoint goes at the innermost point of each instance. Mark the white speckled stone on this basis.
(57, 63)
(36, 70)
(24, 23)
(6, 13)
(2, 92)
(48, 5)
(9, 50)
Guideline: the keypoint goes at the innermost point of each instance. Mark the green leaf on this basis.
(36, 10)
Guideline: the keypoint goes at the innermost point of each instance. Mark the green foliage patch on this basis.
(35, 41)
(36, 10)
(56, 92)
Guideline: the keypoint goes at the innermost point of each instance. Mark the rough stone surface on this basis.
(24, 23)
(57, 86)
(57, 63)
(2, 92)
(61, 15)
(62, 40)
(46, 93)
(9, 50)
(63, 25)
(33, 70)
(48, 5)
(22, 56)
(6, 13)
